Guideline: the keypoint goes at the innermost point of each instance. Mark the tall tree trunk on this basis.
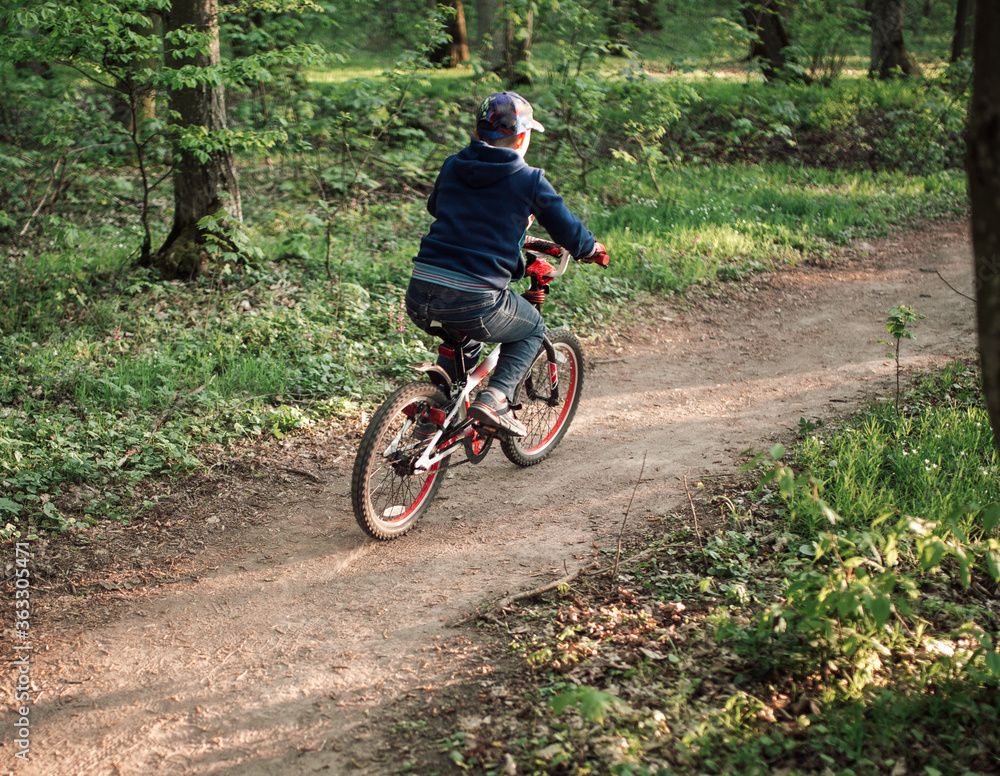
(486, 15)
(984, 194)
(763, 19)
(963, 35)
(628, 16)
(888, 50)
(201, 188)
(511, 32)
(646, 15)
(517, 41)
(455, 52)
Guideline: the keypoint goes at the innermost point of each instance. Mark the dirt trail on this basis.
(280, 657)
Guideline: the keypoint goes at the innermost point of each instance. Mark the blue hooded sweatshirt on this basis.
(481, 202)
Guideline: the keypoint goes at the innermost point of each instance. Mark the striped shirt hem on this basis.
(450, 278)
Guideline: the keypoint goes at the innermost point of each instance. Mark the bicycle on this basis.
(406, 449)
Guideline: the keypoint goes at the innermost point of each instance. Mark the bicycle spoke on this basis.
(547, 423)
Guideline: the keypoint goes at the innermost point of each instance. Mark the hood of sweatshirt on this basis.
(480, 165)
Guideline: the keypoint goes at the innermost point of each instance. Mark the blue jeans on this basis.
(495, 316)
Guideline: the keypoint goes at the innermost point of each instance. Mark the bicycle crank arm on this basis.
(426, 460)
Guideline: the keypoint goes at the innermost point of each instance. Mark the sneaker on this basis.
(490, 408)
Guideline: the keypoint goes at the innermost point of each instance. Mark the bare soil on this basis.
(246, 625)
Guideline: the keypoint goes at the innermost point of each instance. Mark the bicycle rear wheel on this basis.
(387, 496)
(546, 422)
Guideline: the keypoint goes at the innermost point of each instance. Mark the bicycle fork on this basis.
(555, 358)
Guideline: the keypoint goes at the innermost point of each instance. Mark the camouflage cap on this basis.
(505, 114)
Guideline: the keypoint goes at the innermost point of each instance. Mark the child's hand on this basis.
(597, 256)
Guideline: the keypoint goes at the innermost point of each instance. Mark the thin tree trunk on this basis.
(511, 33)
(201, 188)
(517, 48)
(138, 100)
(888, 49)
(619, 18)
(628, 16)
(456, 51)
(984, 194)
(147, 104)
(963, 34)
(646, 13)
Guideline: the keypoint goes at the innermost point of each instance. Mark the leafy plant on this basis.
(825, 32)
(592, 704)
(807, 426)
(847, 583)
(897, 324)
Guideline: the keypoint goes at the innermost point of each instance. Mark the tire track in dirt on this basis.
(284, 658)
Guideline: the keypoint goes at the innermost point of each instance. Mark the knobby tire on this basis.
(388, 500)
(546, 424)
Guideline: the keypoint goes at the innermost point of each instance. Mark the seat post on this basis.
(459, 360)
(451, 344)
(453, 350)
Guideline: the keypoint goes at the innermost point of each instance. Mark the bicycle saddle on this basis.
(449, 335)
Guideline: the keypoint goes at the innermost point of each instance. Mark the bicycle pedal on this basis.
(490, 431)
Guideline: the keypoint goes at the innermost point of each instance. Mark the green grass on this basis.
(726, 221)
(934, 458)
(437, 80)
(915, 493)
(950, 731)
(117, 376)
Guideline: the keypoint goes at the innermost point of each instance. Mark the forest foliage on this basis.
(836, 594)
(687, 162)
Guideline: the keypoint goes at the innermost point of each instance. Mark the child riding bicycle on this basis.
(484, 199)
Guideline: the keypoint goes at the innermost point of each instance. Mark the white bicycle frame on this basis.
(460, 410)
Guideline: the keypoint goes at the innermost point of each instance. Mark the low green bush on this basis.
(117, 377)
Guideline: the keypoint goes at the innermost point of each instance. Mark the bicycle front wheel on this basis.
(387, 496)
(547, 420)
